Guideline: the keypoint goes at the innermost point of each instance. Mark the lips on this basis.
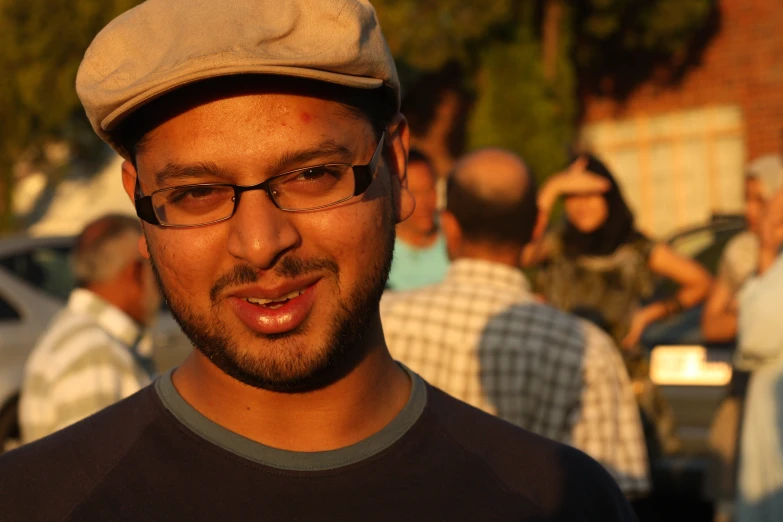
(274, 312)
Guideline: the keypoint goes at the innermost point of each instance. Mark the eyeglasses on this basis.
(300, 190)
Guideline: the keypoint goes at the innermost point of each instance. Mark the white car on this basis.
(35, 281)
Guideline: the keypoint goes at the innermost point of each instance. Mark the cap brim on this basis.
(114, 118)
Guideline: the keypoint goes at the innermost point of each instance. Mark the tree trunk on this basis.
(553, 16)
(6, 207)
(6, 196)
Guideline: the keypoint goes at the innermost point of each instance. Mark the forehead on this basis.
(250, 132)
(585, 196)
(262, 115)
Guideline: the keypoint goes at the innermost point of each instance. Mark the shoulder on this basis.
(66, 466)
(742, 241)
(742, 250)
(69, 339)
(555, 477)
(534, 318)
(411, 303)
(600, 347)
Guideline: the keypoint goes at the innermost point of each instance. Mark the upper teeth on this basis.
(255, 300)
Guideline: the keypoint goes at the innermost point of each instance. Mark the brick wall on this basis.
(742, 65)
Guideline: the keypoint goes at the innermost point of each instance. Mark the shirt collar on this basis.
(480, 272)
(111, 319)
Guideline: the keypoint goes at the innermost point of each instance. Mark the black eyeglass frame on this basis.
(363, 178)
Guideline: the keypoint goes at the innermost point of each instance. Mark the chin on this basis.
(426, 228)
(588, 228)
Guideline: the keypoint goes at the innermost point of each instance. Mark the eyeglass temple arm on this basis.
(366, 173)
(143, 206)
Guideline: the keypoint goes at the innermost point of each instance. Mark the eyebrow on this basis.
(325, 149)
(174, 172)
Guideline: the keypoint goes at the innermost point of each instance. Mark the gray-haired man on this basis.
(266, 156)
(88, 358)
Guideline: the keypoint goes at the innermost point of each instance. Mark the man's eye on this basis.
(317, 173)
(194, 194)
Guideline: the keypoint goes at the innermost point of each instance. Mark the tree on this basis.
(527, 60)
(41, 45)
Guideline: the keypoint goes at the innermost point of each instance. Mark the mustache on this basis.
(288, 267)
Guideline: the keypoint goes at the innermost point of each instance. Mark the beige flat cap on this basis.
(161, 45)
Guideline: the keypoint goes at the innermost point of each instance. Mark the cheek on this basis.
(572, 210)
(188, 260)
(351, 235)
(752, 212)
(425, 204)
(600, 211)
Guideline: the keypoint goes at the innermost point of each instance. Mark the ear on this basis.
(452, 232)
(396, 156)
(129, 177)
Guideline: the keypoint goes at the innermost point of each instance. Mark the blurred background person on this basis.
(763, 177)
(89, 358)
(420, 256)
(760, 480)
(481, 336)
(738, 262)
(600, 266)
(598, 261)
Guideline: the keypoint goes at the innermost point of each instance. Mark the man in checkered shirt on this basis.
(481, 336)
(90, 356)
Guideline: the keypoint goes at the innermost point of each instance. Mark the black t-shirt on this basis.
(154, 457)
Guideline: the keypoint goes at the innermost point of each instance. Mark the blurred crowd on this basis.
(534, 318)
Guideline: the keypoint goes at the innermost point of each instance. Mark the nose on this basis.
(260, 232)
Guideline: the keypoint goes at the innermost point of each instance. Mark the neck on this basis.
(504, 255)
(344, 413)
(417, 238)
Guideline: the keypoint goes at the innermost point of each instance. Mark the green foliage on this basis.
(497, 41)
(500, 43)
(518, 109)
(429, 33)
(41, 45)
(661, 27)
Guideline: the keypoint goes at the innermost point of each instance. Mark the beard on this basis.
(284, 366)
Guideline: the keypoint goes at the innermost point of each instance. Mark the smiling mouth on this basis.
(274, 304)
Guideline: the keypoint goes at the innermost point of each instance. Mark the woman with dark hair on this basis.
(599, 264)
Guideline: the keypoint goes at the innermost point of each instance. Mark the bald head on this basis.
(492, 196)
(494, 175)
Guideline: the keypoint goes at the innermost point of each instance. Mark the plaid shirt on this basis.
(481, 337)
(84, 362)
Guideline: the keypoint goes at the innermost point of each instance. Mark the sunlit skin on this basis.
(754, 203)
(587, 212)
(249, 137)
(419, 229)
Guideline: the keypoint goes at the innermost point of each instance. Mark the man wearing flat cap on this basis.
(266, 159)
